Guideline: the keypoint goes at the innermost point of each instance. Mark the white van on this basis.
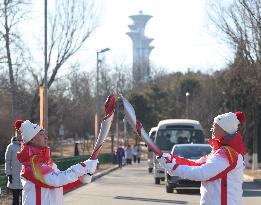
(175, 131)
(152, 134)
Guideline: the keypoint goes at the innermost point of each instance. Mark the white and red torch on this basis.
(105, 125)
(137, 126)
(104, 130)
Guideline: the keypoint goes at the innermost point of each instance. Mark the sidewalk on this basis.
(103, 169)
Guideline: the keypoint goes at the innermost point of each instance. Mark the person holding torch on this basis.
(220, 172)
(41, 179)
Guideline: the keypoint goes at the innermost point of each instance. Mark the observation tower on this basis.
(141, 47)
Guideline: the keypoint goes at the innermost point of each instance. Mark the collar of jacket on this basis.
(28, 151)
(235, 141)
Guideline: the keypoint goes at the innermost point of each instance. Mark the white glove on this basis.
(163, 158)
(170, 167)
(91, 165)
(168, 163)
(86, 179)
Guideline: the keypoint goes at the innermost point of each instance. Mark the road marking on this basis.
(150, 199)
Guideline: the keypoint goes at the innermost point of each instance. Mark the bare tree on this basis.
(12, 12)
(240, 25)
(71, 24)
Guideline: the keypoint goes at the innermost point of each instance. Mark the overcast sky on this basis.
(180, 29)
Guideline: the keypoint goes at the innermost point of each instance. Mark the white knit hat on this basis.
(228, 122)
(29, 130)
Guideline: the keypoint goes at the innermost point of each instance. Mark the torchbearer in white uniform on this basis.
(41, 179)
(220, 172)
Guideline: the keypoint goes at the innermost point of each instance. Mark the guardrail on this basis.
(62, 164)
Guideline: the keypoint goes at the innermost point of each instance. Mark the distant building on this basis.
(141, 47)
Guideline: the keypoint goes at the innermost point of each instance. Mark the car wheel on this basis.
(150, 170)
(169, 189)
(179, 191)
(157, 180)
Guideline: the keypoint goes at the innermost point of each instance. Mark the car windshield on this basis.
(191, 152)
(166, 138)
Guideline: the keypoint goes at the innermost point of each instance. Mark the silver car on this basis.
(188, 151)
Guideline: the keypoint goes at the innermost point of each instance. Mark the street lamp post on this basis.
(97, 90)
(126, 140)
(117, 117)
(187, 104)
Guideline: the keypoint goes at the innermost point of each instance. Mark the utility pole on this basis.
(61, 134)
(45, 123)
(255, 155)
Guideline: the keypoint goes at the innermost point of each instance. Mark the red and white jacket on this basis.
(41, 179)
(220, 173)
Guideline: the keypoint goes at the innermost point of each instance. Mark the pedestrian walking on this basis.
(137, 151)
(220, 172)
(134, 154)
(13, 166)
(120, 153)
(128, 154)
(42, 180)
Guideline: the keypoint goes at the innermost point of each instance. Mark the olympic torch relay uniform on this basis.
(220, 172)
(41, 179)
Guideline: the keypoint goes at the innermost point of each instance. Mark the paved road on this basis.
(133, 185)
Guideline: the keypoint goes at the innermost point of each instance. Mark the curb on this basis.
(250, 178)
